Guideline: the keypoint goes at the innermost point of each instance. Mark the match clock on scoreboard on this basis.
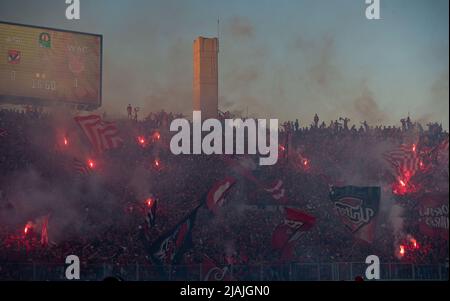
(41, 65)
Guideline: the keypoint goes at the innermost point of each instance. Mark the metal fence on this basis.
(290, 272)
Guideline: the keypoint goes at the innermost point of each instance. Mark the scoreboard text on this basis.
(41, 65)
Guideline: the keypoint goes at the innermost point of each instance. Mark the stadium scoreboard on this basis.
(41, 65)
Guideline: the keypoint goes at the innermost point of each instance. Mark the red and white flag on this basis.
(287, 234)
(101, 134)
(277, 191)
(405, 160)
(216, 195)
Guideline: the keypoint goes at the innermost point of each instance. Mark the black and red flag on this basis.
(357, 207)
(287, 234)
(168, 249)
(216, 195)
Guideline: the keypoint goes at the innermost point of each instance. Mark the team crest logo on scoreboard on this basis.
(76, 64)
(45, 40)
(14, 56)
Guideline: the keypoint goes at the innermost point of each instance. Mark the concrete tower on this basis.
(206, 91)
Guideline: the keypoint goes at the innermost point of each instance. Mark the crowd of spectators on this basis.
(312, 158)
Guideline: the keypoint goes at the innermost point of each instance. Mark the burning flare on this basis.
(305, 162)
(157, 164)
(149, 202)
(141, 140)
(27, 228)
(156, 136)
(91, 164)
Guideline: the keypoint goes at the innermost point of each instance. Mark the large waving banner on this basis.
(357, 208)
(169, 248)
(433, 215)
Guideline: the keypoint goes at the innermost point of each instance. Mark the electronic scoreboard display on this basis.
(42, 65)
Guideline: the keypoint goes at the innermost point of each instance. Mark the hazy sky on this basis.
(286, 58)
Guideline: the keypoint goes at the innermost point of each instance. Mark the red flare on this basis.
(402, 250)
(91, 164)
(402, 185)
(414, 148)
(149, 202)
(65, 141)
(156, 136)
(422, 165)
(157, 164)
(27, 228)
(141, 140)
(414, 243)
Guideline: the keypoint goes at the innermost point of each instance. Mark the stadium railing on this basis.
(340, 271)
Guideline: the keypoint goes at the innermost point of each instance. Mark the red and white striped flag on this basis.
(405, 159)
(277, 191)
(101, 134)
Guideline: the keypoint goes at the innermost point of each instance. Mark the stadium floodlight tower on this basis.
(205, 83)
